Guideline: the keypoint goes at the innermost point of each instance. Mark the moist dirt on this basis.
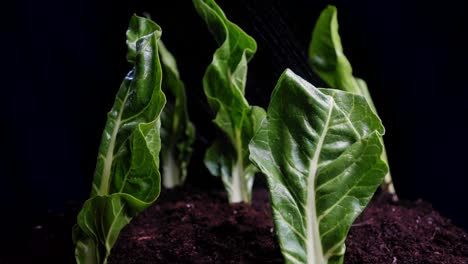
(189, 225)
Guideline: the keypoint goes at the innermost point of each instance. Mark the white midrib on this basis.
(106, 171)
(314, 245)
(171, 172)
(239, 191)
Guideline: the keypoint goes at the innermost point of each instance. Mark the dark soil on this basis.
(187, 227)
(198, 227)
(405, 232)
(192, 226)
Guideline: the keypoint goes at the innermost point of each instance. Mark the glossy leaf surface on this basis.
(330, 63)
(127, 178)
(327, 58)
(224, 85)
(321, 152)
(177, 132)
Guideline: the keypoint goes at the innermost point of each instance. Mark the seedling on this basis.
(321, 152)
(321, 149)
(127, 179)
(224, 86)
(177, 132)
(329, 62)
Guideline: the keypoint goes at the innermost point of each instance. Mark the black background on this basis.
(63, 62)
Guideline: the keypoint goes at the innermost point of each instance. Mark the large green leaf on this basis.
(127, 178)
(328, 60)
(177, 132)
(320, 150)
(224, 84)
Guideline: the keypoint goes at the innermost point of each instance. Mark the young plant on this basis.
(329, 62)
(224, 86)
(127, 179)
(177, 132)
(321, 152)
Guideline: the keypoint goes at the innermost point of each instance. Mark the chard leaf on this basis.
(327, 59)
(127, 178)
(177, 132)
(321, 152)
(224, 85)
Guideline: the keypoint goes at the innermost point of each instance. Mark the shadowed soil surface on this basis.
(189, 225)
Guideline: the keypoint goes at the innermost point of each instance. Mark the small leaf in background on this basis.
(224, 85)
(177, 132)
(329, 62)
(127, 178)
(321, 152)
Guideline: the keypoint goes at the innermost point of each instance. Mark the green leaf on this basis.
(177, 132)
(320, 150)
(327, 59)
(224, 85)
(127, 179)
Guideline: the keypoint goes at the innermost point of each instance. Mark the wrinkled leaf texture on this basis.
(328, 60)
(224, 85)
(320, 150)
(127, 178)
